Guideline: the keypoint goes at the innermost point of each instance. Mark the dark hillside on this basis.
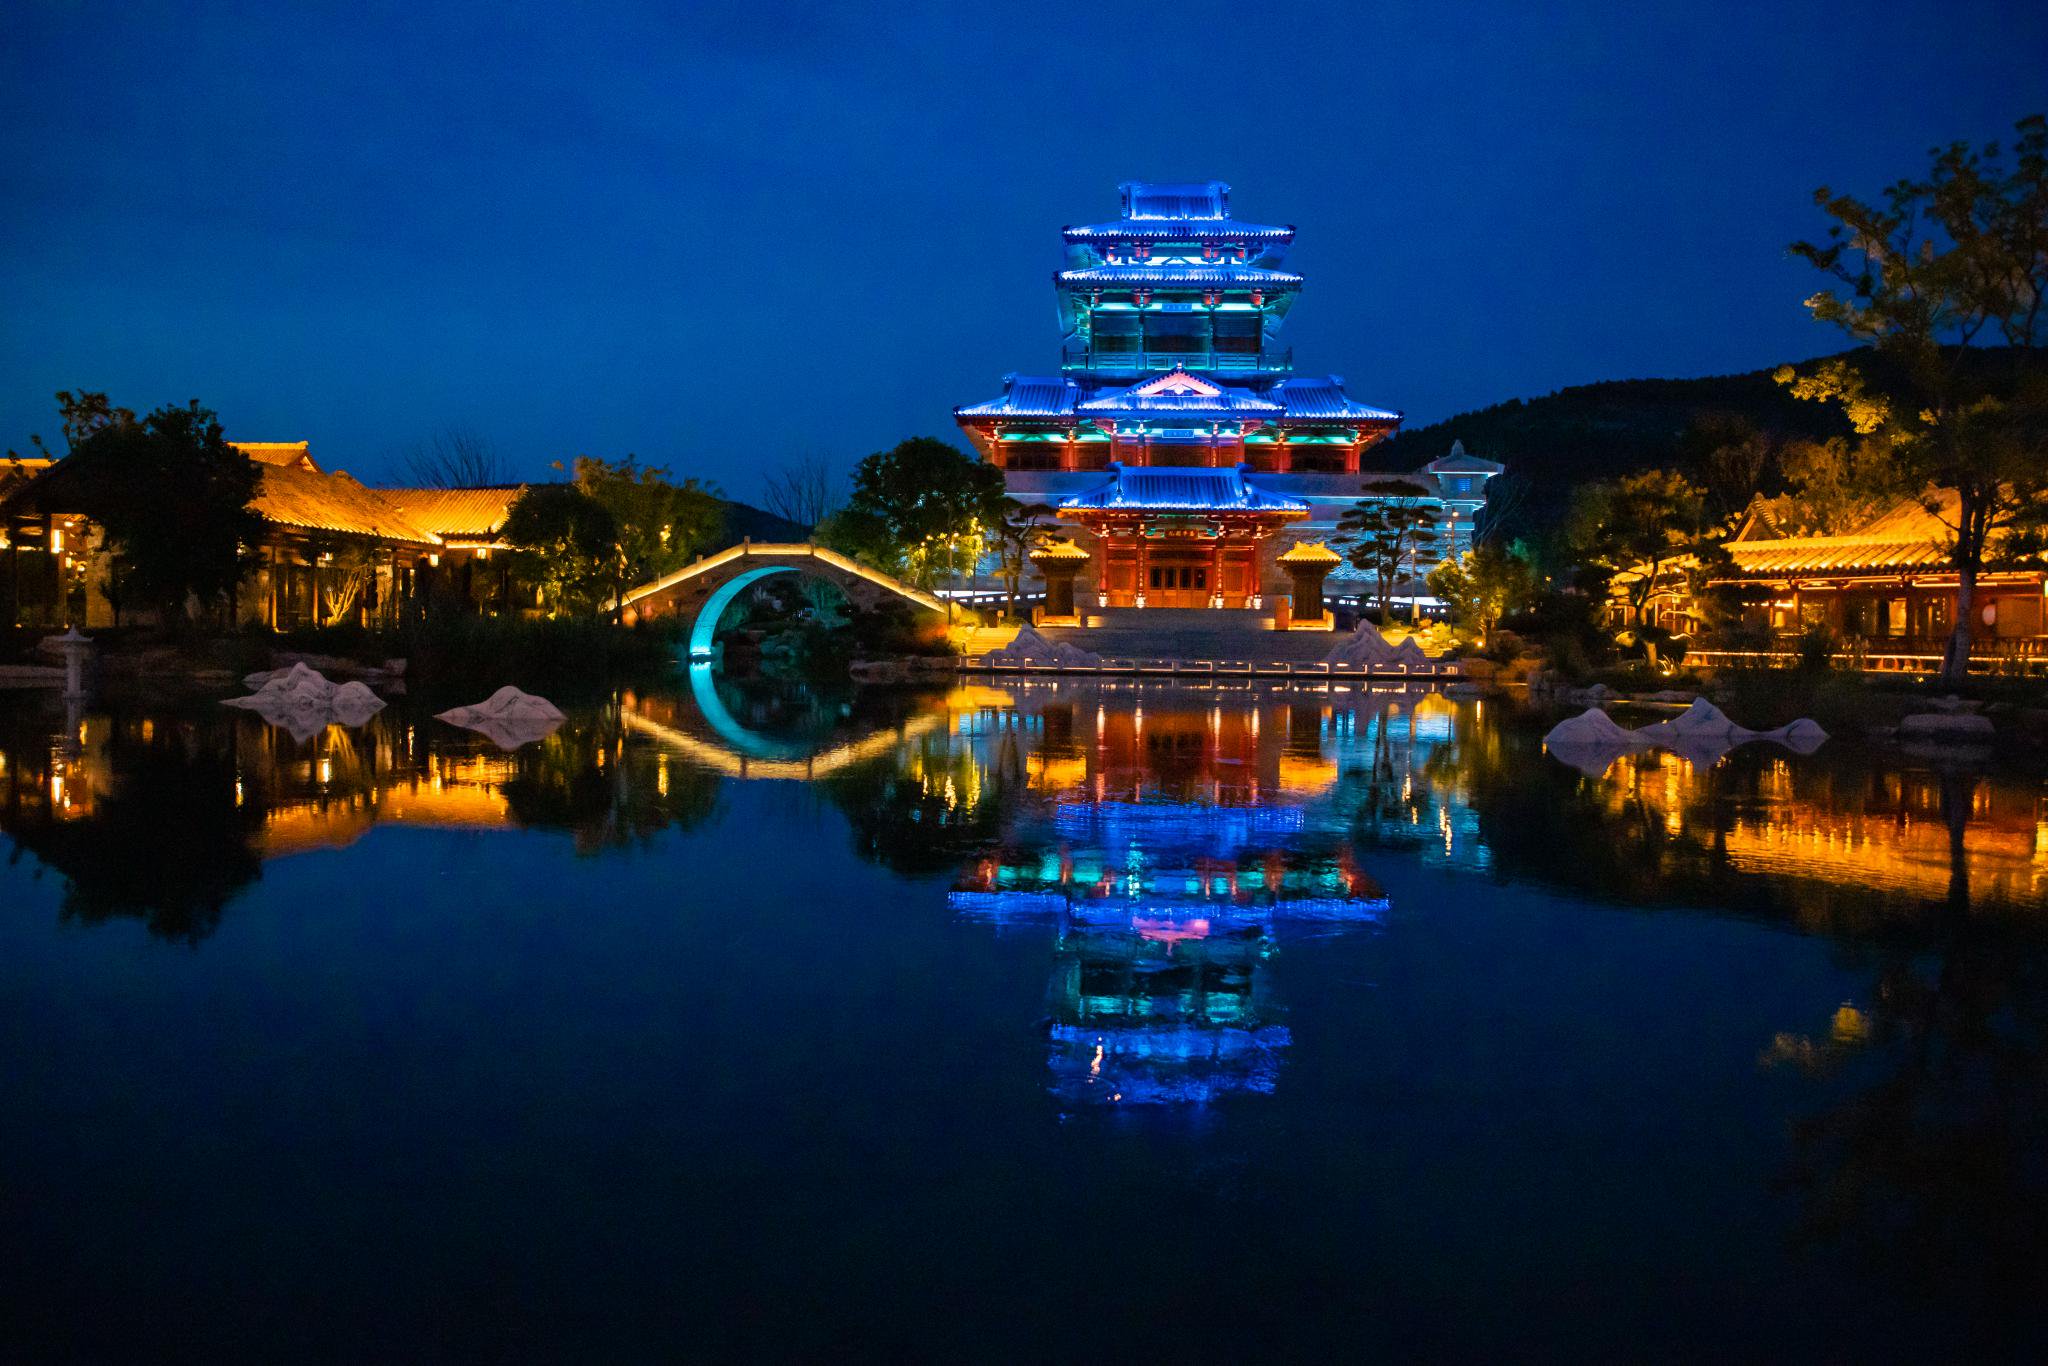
(1597, 431)
(745, 522)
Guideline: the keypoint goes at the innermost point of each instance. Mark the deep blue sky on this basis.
(719, 234)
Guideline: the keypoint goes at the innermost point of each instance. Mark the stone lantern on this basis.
(1308, 564)
(1058, 562)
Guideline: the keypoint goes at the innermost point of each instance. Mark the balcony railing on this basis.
(1081, 358)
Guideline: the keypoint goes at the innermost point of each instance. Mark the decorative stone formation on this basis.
(1307, 565)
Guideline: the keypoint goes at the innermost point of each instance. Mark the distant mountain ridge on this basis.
(745, 522)
(1613, 427)
(1589, 432)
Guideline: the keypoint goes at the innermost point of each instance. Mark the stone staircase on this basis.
(1192, 633)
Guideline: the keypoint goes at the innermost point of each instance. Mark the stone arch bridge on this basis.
(701, 592)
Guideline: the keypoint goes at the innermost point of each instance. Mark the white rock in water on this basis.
(1803, 736)
(305, 703)
(354, 703)
(1590, 727)
(1700, 721)
(508, 717)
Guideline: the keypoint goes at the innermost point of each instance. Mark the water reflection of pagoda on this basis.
(1170, 842)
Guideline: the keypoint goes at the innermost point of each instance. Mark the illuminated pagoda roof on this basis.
(1173, 488)
(1177, 212)
(1306, 398)
(1223, 276)
(1028, 396)
(1181, 393)
(1322, 397)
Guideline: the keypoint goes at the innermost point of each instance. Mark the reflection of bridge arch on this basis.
(702, 591)
(744, 753)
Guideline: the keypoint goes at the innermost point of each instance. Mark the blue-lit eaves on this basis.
(1178, 276)
(1322, 398)
(1197, 397)
(1181, 489)
(1028, 396)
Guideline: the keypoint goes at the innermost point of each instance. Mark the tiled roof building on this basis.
(335, 550)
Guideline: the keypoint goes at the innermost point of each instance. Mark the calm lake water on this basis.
(1036, 1021)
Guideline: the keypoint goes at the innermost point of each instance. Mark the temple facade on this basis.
(1180, 450)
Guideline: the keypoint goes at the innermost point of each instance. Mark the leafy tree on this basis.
(1017, 531)
(934, 504)
(169, 494)
(1639, 525)
(658, 526)
(859, 535)
(1483, 585)
(1387, 533)
(567, 545)
(83, 415)
(1836, 485)
(1938, 267)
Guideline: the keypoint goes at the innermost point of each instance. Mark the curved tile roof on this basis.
(1322, 397)
(1027, 396)
(294, 496)
(460, 514)
(1178, 230)
(1178, 391)
(1174, 488)
(1185, 276)
(1462, 461)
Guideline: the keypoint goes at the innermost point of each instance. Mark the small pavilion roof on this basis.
(1462, 461)
(1028, 396)
(1322, 397)
(1219, 276)
(1311, 552)
(1059, 550)
(1175, 488)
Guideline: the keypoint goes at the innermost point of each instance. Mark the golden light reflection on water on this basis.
(1380, 771)
(1900, 830)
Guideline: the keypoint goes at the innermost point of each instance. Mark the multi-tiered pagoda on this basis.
(1177, 442)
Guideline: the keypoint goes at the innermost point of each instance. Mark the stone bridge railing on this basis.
(703, 590)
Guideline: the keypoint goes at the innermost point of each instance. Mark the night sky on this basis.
(717, 235)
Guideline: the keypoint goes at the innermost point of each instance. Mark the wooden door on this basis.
(1180, 577)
